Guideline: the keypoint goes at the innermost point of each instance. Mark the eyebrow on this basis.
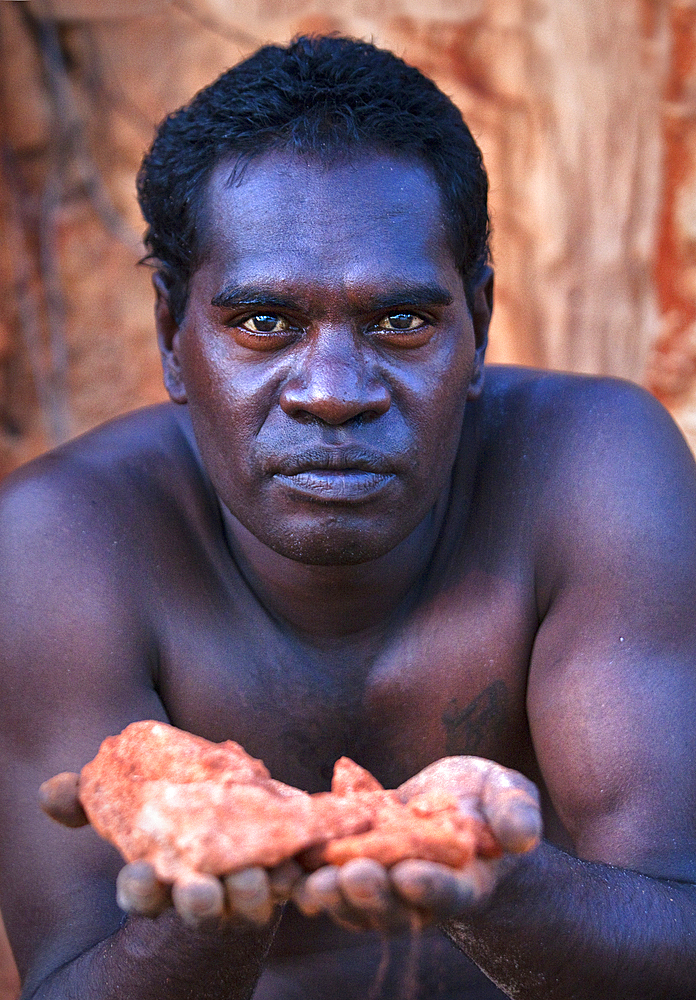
(408, 294)
(413, 294)
(250, 295)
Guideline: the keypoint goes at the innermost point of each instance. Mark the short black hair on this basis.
(325, 97)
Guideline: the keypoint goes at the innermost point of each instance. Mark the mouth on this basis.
(332, 486)
(335, 476)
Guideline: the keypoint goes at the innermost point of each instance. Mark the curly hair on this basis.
(325, 97)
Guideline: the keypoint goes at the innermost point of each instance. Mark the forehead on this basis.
(285, 217)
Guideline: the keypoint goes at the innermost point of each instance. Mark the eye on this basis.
(403, 330)
(400, 322)
(264, 331)
(265, 323)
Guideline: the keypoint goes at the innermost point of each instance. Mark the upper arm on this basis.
(612, 684)
(73, 655)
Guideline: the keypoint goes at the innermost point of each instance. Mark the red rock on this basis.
(185, 804)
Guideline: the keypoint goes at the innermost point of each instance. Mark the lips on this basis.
(341, 475)
(348, 486)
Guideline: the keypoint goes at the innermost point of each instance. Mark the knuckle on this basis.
(283, 878)
(139, 891)
(317, 892)
(198, 899)
(249, 895)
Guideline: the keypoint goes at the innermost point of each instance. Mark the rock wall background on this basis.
(586, 113)
(585, 110)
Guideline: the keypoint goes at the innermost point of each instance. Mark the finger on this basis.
(138, 890)
(199, 899)
(441, 891)
(58, 798)
(462, 776)
(249, 895)
(365, 886)
(364, 883)
(317, 892)
(510, 803)
(320, 892)
(282, 878)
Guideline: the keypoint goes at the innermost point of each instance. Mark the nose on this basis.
(334, 383)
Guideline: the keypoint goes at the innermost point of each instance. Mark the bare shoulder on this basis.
(581, 433)
(111, 496)
(562, 401)
(126, 461)
(612, 480)
(79, 528)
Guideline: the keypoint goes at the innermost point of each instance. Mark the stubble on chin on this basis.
(323, 548)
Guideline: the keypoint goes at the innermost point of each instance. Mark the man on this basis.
(341, 538)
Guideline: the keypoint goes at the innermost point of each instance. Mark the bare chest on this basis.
(449, 677)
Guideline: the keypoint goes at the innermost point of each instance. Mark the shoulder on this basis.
(81, 529)
(150, 437)
(605, 473)
(110, 476)
(583, 425)
(549, 399)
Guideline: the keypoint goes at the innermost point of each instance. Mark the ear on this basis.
(481, 310)
(168, 341)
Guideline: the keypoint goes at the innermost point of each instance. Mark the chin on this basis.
(326, 549)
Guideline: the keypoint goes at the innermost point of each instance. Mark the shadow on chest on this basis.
(450, 678)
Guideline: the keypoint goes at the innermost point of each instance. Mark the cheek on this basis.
(205, 364)
(434, 398)
(230, 399)
(443, 414)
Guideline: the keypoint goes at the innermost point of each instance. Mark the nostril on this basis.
(335, 404)
(305, 417)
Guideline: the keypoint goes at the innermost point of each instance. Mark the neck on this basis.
(328, 603)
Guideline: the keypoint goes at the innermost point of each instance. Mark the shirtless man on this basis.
(339, 538)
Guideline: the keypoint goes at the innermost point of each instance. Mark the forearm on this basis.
(160, 960)
(562, 929)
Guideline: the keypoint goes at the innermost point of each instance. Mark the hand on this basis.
(362, 894)
(249, 896)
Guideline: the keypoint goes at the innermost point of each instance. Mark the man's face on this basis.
(326, 353)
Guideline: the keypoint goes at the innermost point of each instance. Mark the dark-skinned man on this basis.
(341, 538)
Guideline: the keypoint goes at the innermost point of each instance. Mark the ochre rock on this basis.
(185, 804)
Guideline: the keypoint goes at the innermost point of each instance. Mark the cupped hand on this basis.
(248, 896)
(360, 894)
(506, 800)
(363, 894)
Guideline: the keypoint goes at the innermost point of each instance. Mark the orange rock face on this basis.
(185, 804)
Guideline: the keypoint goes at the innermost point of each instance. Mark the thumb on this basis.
(58, 797)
